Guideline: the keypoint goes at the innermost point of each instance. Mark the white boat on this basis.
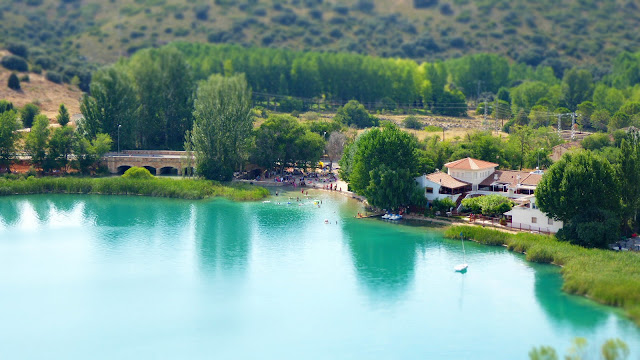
(395, 217)
(462, 267)
(386, 216)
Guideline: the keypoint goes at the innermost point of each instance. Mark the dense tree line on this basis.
(339, 76)
(149, 97)
(49, 148)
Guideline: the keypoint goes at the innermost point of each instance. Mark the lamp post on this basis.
(119, 126)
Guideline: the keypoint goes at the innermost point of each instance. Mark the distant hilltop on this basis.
(67, 35)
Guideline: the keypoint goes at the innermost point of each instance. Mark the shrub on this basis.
(138, 173)
(14, 82)
(18, 49)
(290, 104)
(411, 122)
(54, 77)
(420, 4)
(354, 113)
(5, 106)
(387, 103)
(15, 63)
(432, 128)
(201, 12)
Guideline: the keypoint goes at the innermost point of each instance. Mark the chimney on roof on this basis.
(495, 176)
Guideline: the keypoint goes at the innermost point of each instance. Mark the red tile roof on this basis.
(446, 180)
(511, 177)
(470, 164)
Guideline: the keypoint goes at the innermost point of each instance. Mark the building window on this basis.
(550, 221)
(429, 190)
(534, 220)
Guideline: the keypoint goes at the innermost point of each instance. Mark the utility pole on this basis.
(573, 126)
(560, 125)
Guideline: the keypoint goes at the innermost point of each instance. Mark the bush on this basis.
(5, 106)
(15, 63)
(14, 82)
(411, 122)
(54, 77)
(387, 103)
(432, 128)
(138, 173)
(354, 113)
(201, 12)
(18, 49)
(290, 104)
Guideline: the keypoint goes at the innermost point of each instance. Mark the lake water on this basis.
(97, 277)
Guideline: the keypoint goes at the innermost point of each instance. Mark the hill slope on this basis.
(554, 32)
(47, 95)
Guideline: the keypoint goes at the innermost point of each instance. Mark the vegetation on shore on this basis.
(611, 278)
(171, 188)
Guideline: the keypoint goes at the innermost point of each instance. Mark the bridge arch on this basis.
(151, 169)
(168, 170)
(123, 168)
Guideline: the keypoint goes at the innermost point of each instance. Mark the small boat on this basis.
(386, 216)
(395, 217)
(326, 221)
(462, 268)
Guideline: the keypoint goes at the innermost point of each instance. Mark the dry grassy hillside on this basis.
(47, 95)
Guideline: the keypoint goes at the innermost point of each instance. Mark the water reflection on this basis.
(112, 211)
(10, 210)
(222, 235)
(385, 268)
(562, 309)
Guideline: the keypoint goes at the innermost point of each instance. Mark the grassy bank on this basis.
(611, 278)
(171, 188)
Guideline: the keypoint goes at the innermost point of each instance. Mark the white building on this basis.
(472, 177)
(527, 216)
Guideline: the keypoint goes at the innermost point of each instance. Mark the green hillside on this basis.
(64, 34)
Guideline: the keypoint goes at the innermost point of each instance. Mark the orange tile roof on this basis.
(470, 164)
(511, 177)
(446, 180)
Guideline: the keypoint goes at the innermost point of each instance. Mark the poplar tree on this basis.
(9, 124)
(222, 128)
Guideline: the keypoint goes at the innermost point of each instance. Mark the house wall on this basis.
(474, 177)
(425, 183)
(522, 217)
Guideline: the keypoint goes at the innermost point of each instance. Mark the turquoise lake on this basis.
(106, 277)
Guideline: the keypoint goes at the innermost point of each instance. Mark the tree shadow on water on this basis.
(384, 260)
(223, 236)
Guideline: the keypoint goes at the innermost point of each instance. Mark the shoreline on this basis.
(189, 189)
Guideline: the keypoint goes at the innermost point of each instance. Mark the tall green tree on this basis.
(36, 142)
(112, 102)
(59, 148)
(89, 151)
(9, 136)
(628, 172)
(63, 115)
(28, 113)
(282, 141)
(165, 89)
(223, 126)
(384, 167)
(578, 87)
(582, 190)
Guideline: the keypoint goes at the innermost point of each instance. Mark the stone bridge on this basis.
(158, 162)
